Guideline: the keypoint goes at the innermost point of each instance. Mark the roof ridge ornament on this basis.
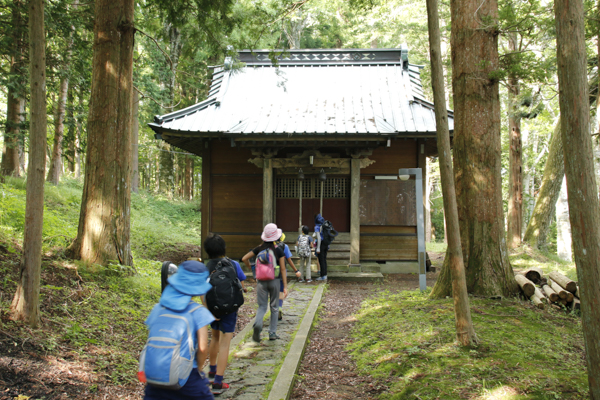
(404, 55)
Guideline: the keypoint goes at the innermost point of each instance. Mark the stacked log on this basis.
(557, 290)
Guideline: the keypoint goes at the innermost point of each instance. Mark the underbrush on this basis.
(158, 225)
(407, 342)
(93, 315)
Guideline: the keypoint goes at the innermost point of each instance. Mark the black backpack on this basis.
(328, 233)
(226, 294)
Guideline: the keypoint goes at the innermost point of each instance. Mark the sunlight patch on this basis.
(500, 393)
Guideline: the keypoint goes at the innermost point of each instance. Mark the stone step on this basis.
(355, 277)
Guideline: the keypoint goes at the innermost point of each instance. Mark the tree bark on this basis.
(554, 170)
(563, 226)
(187, 182)
(579, 167)
(104, 222)
(14, 100)
(25, 304)
(465, 333)
(59, 130)
(515, 177)
(135, 177)
(477, 148)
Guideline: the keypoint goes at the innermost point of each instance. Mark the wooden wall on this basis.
(234, 203)
(236, 200)
(389, 242)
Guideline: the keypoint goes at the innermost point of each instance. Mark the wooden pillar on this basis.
(354, 211)
(206, 196)
(267, 191)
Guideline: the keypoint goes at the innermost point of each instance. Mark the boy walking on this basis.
(304, 245)
(288, 257)
(224, 327)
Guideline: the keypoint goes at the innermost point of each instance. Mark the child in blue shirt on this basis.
(223, 328)
(288, 257)
(189, 280)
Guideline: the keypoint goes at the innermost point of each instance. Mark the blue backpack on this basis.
(168, 356)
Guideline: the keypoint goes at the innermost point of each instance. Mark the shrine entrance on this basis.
(298, 201)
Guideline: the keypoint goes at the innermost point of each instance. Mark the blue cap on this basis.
(189, 280)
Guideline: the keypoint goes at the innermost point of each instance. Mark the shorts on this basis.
(226, 324)
(196, 388)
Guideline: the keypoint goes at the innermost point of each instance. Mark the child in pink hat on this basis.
(267, 292)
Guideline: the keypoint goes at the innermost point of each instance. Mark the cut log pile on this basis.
(555, 290)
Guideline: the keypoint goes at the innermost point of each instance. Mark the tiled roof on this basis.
(311, 93)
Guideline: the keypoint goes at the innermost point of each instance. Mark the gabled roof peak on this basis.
(325, 57)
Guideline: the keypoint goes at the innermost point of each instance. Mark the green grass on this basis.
(157, 224)
(436, 247)
(524, 257)
(407, 342)
(95, 312)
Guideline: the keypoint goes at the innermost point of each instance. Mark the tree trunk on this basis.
(465, 333)
(427, 201)
(59, 129)
(135, 177)
(187, 183)
(554, 170)
(563, 226)
(477, 148)
(25, 305)
(515, 177)
(104, 222)
(579, 167)
(14, 99)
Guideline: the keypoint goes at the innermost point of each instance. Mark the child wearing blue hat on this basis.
(176, 304)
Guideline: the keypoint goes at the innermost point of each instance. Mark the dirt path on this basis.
(327, 372)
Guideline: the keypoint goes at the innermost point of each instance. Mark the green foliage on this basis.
(157, 223)
(407, 342)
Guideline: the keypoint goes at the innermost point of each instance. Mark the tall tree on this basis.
(25, 304)
(15, 103)
(474, 39)
(104, 222)
(515, 182)
(581, 181)
(554, 171)
(465, 332)
(55, 169)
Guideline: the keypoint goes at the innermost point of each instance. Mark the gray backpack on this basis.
(303, 246)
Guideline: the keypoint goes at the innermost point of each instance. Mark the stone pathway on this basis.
(253, 365)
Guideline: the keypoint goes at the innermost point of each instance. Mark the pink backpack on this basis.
(266, 266)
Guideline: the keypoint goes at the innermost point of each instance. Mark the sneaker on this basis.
(256, 334)
(218, 388)
(308, 280)
(280, 316)
(211, 377)
(273, 336)
(300, 280)
(322, 278)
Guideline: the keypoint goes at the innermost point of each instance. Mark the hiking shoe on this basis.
(218, 388)
(280, 316)
(256, 334)
(322, 278)
(273, 336)
(211, 377)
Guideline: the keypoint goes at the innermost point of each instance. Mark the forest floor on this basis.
(55, 362)
(370, 341)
